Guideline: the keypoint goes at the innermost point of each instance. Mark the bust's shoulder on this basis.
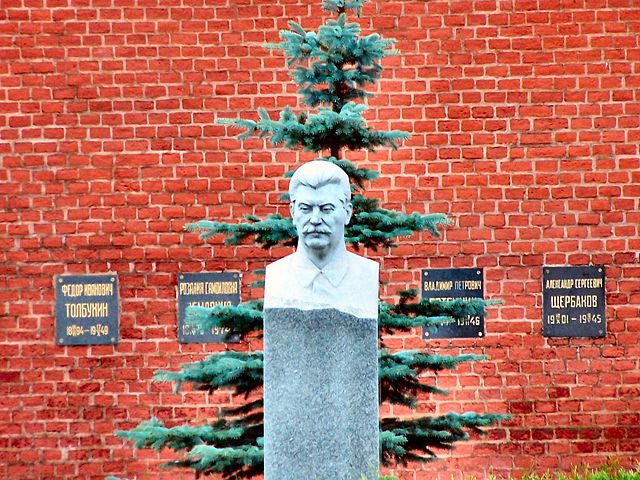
(280, 265)
(363, 263)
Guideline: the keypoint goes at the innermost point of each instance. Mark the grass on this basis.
(609, 471)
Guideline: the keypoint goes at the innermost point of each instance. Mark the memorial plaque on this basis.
(573, 302)
(206, 290)
(87, 309)
(453, 284)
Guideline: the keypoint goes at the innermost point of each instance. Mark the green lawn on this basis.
(609, 471)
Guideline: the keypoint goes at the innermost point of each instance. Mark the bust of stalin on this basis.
(322, 273)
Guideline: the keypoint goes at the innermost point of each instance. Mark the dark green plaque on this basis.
(206, 290)
(573, 302)
(452, 284)
(87, 309)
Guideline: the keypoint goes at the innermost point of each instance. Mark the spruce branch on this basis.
(246, 410)
(408, 313)
(319, 131)
(403, 441)
(272, 231)
(373, 226)
(242, 371)
(226, 447)
(237, 451)
(245, 461)
(332, 65)
(240, 319)
(153, 434)
(400, 374)
(341, 6)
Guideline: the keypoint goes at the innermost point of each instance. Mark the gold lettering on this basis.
(192, 288)
(72, 290)
(74, 330)
(99, 330)
(216, 303)
(558, 319)
(472, 284)
(451, 299)
(221, 288)
(194, 330)
(568, 283)
(560, 283)
(438, 285)
(588, 282)
(98, 289)
(87, 310)
(208, 288)
(475, 320)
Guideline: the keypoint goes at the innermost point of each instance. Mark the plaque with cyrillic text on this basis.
(87, 309)
(573, 302)
(450, 284)
(206, 290)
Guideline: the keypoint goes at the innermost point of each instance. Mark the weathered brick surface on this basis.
(525, 122)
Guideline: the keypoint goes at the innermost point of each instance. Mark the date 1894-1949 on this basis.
(98, 330)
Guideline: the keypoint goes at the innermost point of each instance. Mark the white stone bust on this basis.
(322, 273)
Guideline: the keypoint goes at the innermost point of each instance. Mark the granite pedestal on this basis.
(321, 395)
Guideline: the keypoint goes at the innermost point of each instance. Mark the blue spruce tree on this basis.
(331, 67)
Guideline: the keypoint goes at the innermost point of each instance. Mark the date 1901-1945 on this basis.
(564, 319)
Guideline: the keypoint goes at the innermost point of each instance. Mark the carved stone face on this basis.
(320, 216)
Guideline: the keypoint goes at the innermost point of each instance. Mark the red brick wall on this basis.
(525, 122)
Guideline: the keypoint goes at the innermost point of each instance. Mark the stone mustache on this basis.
(321, 342)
